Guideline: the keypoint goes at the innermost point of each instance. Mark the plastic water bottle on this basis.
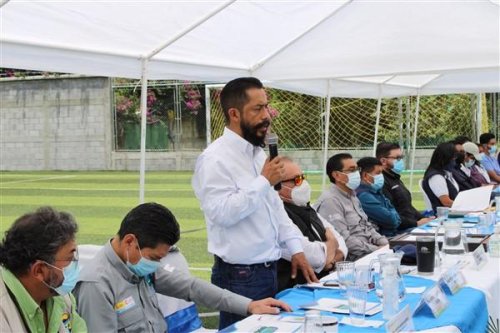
(494, 243)
(390, 302)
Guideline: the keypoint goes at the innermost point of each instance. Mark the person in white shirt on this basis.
(438, 183)
(323, 245)
(247, 224)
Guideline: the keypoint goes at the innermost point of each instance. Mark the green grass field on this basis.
(99, 201)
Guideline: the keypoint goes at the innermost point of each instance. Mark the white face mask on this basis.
(301, 195)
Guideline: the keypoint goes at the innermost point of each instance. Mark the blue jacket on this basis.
(379, 209)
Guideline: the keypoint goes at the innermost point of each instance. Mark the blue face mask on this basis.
(378, 182)
(398, 166)
(70, 274)
(492, 150)
(144, 267)
(354, 180)
(469, 163)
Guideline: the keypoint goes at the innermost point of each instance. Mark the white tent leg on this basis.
(208, 112)
(479, 117)
(144, 110)
(415, 129)
(377, 122)
(327, 136)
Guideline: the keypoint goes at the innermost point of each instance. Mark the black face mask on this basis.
(460, 157)
(451, 165)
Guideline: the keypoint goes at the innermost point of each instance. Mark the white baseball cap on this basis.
(471, 148)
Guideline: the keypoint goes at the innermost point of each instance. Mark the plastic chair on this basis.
(427, 201)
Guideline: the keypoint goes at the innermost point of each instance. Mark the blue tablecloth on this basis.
(467, 309)
(470, 229)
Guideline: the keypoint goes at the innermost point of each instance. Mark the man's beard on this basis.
(250, 133)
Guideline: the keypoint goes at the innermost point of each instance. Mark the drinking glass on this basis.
(313, 322)
(345, 273)
(442, 213)
(356, 297)
(363, 276)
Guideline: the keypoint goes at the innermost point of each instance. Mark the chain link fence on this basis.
(299, 119)
(177, 118)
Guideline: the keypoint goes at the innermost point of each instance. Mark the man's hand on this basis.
(299, 261)
(267, 306)
(332, 246)
(425, 220)
(273, 170)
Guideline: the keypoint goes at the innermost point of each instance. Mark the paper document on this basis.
(268, 324)
(474, 200)
(340, 306)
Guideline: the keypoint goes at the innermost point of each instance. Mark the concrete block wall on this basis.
(55, 124)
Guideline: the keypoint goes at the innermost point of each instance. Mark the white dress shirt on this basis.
(438, 186)
(315, 252)
(246, 220)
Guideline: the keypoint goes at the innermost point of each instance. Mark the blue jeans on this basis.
(256, 281)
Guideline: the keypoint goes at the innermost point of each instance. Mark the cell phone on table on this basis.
(331, 283)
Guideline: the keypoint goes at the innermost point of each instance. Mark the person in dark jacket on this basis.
(438, 183)
(391, 157)
(378, 208)
(460, 172)
(323, 245)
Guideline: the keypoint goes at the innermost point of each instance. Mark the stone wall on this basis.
(67, 124)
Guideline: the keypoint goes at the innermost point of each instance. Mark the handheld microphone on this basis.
(272, 142)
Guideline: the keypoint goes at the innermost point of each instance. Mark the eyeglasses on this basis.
(399, 158)
(297, 179)
(346, 172)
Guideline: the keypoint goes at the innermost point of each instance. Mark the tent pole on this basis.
(415, 130)
(208, 112)
(144, 110)
(189, 29)
(400, 120)
(327, 135)
(377, 121)
(479, 116)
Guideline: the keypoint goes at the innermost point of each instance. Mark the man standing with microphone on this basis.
(247, 224)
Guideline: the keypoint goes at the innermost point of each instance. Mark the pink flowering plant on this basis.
(128, 107)
(192, 98)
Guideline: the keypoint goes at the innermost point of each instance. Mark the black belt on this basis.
(266, 264)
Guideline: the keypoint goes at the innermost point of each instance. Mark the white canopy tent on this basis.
(348, 48)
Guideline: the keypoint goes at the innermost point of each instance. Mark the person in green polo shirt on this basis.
(38, 269)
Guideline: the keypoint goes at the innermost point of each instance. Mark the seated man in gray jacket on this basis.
(117, 290)
(340, 207)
